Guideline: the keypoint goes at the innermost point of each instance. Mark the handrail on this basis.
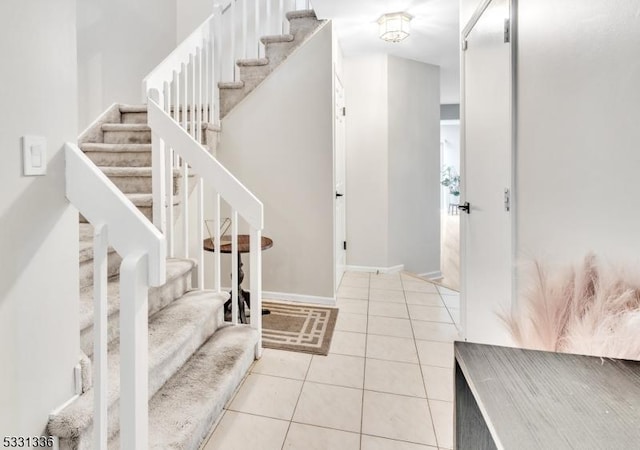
(164, 71)
(118, 222)
(205, 165)
(129, 229)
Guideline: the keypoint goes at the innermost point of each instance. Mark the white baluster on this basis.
(268, 18)
(217, 62)
(184, 69)
(232, 45)
(216, 244)
(256, 285)
(234, 267)
(198, 94)
(100, 340)
(200, 231)
(281, 17)
(257, 26)
(134, 344)
(184, 200)
(168, 176)
(192, 99)
(157, 179)
(245, 19)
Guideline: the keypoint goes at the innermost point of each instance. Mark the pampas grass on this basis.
(589, 310)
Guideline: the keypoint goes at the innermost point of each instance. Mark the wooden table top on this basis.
(243, 244)
(541, 400)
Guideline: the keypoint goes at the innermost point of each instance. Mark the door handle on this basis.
(466, 207)
(339, 195)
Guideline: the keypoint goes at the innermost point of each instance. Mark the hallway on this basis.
(386, 383)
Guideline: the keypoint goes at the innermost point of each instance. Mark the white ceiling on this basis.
(433, 39)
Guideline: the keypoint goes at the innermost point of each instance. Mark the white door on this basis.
(486, 231)
(340, 170)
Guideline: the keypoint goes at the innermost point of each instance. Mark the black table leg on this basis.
(243, 296)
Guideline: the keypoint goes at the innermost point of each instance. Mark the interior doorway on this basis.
(340, 232)
(449, 200)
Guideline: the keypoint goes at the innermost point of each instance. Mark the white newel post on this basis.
(134, 349)
(255, 257)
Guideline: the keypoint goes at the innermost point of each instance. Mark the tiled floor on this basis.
(386, 384)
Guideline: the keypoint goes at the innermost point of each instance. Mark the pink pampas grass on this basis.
(588, 310)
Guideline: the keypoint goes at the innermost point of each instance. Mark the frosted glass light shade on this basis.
(394, 27)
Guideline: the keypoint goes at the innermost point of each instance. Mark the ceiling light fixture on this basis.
(394, 27)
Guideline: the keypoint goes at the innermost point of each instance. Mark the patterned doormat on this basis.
(298, 327)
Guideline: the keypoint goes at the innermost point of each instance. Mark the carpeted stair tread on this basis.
(175, 269)
(113, 171)
(252, 62)
(132, 108)
(146, 200)
(115, 148)
(125, 127)
(175, 333)
(231, 84)
(183, 411)
(301, 14)
(277, 38)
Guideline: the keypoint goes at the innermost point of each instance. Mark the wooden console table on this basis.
(509, 398)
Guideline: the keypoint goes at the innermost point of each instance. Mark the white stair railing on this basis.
(117, 222)
(167, 134)
(183, 100)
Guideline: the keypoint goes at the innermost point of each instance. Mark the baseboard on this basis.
(431, 275)
(372, 269)
(299, 298)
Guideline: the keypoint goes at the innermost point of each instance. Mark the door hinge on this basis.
(463, 44)
(344, 110)
(507, 30)
(507, 199)
(344, 245)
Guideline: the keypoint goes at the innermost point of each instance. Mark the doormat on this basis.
(298, 327)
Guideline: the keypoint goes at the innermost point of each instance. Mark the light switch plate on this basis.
(34, 155)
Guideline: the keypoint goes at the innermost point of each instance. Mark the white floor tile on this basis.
(348, 343)
(351, 274)
(391, 348)
(232, 433)
(429, 313)
(361, 282)
(386, 295)
(349, 305)
(386, 283)
(446, 291)
(443, 421)
(351, 322)
(339, 370)
(423, 298)
(397, 417)
(378, 443)
(269, 396)
(309, 437)
(390, 326)
(386, 276)
(434, 331)
(281, 363)
(353, 292)
(455, 315)
(384, 309)
(439, 354)
(330, 406)
(439, 382)
(419, 286)
(451, 301)
(394, 377)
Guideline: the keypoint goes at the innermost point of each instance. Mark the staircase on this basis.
(302, 25)
(196, 360)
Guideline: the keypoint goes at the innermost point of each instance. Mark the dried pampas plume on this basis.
(588, 310)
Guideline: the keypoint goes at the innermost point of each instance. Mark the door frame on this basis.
(338, 80)
(513, 44)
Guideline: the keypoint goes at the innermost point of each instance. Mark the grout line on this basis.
(424, 384)
(297, 401)
(364, 373)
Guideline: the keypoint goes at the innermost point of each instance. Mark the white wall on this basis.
(414, 165)
(467, 8)
(393, 163)
(365, 85)
(39, 336)
(189, 15)
(119, 43)
(578, 134)
(279, 143)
